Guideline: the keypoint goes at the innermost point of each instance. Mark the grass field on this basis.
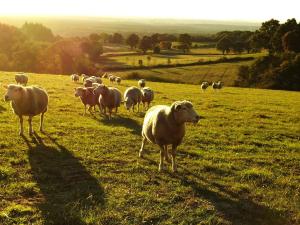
(239, 165)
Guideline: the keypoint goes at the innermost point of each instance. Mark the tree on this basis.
(224, 45)
(185, 39)
(165, 45)
(291, 41)
(37, 32)
(145, 44)
(156, 50)
(266, 33)
(93, 49)
(94, 37)
(133, 40)
(117, 38)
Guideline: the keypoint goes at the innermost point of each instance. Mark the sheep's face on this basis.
(184, 111)
(128, 103)
(100, 89)
(79, 92)
(13, 92)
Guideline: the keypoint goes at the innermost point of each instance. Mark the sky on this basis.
(244, 10)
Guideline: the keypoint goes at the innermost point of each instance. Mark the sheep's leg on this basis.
(138, 106)
(110, 111)
(167, 154)
(41, 122)
(90, 109)
(84, 110)
(116, 109)
(21, 125)
(30, 130)
(141, 153)
(174, 167)
(162, 154)
(133, 108)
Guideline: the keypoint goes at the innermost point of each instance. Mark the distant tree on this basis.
(104, 37)
(238, 46)
(224, 45)
(37, 32)
(289, 25)
(184, 47)
(145, 44)
(117, 38)
(133, 40)
(156, 50)
(92, 49)
(291, 41)
(165, 45)
(94, 37)
(266, 33)
(185, 39)
(155, 38)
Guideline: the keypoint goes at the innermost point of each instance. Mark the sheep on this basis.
(112, 78)
(132, 97)
(165, 125)
(118, 80)
(147, 96)
(87, 97)
(204, 85)
(217, 85)
(84, 77)
(95, 79)
(142, 83)
(88, 83)
(109, 97)
(75, 77)
(21, 78)
(27, 101)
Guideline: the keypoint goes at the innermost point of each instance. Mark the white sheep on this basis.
(142, 83)
(132, 97)
(75, 77)
(147, 96)
(165, 125)
(27, 101)
(217, 85)
(109, 97)
(118, 80)
(204, 85)
(21, 78)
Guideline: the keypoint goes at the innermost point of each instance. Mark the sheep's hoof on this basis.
(141, 154)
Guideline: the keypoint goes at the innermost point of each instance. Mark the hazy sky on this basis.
(251, 10)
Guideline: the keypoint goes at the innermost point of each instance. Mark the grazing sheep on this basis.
(109, 97)
(217, 85)
(142, 83)
(165, 125)
(147, 96)
(21, 78)
(132, 96)
(75, 77)
(84, 77)
(204, 85)
(112, 78)
(118, 80)
(87, 97)
(27, 101)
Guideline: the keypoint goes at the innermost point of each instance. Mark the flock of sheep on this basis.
(215, 85)
(163, 125)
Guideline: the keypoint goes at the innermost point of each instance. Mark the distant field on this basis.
(238, 166)
(227, 72)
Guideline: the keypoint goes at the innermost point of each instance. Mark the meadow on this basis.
(239, 165)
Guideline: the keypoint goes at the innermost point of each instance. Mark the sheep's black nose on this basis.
(198, 117)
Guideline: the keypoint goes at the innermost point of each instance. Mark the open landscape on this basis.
(149, 112)
(239, 165)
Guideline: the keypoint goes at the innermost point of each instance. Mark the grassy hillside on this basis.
(239, 165)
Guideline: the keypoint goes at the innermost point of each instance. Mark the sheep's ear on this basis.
(5, 86)
(178, 107)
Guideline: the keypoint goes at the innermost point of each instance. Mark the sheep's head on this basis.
(183, 111)
(79, 92)
(101, 89)
(13, 92)
(128, 103)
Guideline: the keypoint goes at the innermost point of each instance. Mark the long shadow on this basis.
(2, 109)
(236, 208)
(68, 189)
(118, 121)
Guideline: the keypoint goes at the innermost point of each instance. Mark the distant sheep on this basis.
(217, 85)
(87, 97)
(204, 85)
(112, 78)
(142, 83)
(75, 77)
(132, 97)
(109, 97)
(118, 80)
(165, 125)
(21, 78)
(147, 96)
(27, 101)
(84, 77)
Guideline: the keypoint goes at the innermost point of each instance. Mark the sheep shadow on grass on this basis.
(69, 191)
(234, 207)
(120, 121)
(2, 109)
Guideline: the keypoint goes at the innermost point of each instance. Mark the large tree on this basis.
(37, 32)
(224, 45)
(291, 41)
(133, 40)
(145, 44)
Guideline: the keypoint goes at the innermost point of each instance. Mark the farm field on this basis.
(227, 72)
(239, 165)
